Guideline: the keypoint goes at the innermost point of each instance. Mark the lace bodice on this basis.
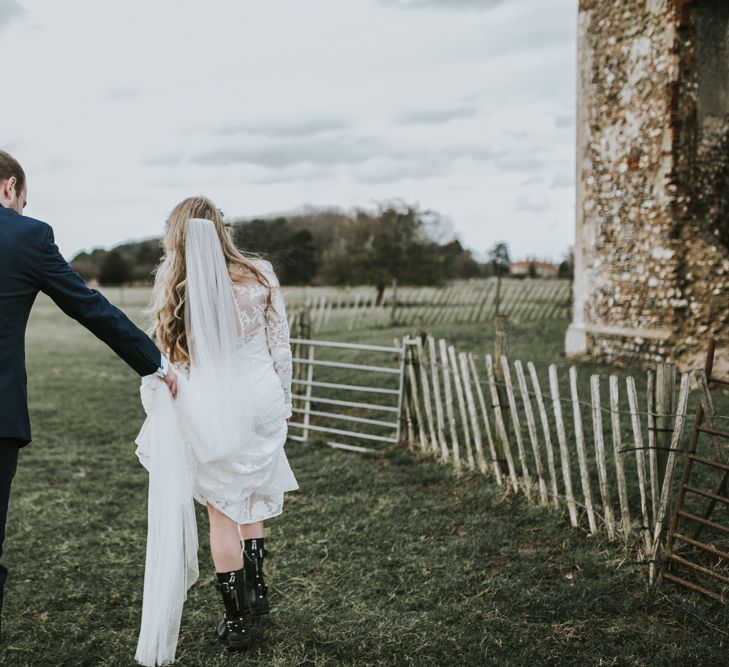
(259, 320)
(262, 327)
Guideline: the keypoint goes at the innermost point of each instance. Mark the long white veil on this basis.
(208, 421)
(171, 563)
(215, 417)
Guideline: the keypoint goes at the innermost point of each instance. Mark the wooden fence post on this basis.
(640, 461)
(501, 349)
(501, 342)
(458, 382)
(471, 405)
(526, 477)
(532, 430)
(619, 468)
(563, 450)
(547, 435)
(440, 421)
(681, 407)
(408, 395)
(449, 405)
(651, 426)
(581, 456)
(425, 384)
(500, 426)
(486, 421)
(665, 408)
(600, 456)
(415, 394)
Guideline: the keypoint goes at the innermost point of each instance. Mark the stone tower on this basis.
(652, 213)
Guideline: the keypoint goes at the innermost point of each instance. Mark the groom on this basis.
(30, 262)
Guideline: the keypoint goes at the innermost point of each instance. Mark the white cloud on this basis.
(288, 127)
(526, 203)
(433, 116)
(9, 11)
(271, 106)
(532, 180)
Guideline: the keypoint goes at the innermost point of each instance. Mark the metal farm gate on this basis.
(348, 391)
(696, 555)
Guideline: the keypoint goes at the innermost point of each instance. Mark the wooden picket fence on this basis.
(346, 309)
(477, 413)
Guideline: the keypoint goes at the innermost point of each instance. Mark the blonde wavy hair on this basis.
(170, 277)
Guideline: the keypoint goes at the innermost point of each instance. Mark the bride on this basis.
(220, 318)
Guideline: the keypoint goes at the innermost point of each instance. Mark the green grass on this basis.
(377, 560)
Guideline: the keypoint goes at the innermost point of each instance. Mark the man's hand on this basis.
(171, 381)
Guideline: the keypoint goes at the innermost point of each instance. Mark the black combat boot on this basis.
(233, 629)
(256, 591)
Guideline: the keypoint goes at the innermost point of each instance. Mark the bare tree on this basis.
(498, 257)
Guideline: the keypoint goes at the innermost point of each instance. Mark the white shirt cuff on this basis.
(162, 370)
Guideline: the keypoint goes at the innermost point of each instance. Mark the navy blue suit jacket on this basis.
(31, 262)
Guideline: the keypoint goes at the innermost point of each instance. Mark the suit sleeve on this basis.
(91, 309)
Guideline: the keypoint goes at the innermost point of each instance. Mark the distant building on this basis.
(652, 200)
(527, 267)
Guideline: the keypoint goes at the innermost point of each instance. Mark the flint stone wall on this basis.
(652, 232)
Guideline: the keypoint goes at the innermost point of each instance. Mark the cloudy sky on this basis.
(119, 110)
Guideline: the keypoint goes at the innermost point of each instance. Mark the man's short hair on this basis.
(10, 167)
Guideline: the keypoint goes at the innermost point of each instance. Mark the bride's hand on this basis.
(171, 381)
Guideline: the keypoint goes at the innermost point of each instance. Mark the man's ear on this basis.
(10, 188)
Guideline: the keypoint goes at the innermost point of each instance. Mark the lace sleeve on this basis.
(277, 334)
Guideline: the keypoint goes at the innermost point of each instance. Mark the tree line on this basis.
(326, 247)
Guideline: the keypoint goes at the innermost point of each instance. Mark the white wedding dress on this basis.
(249, 486)
(221, 441)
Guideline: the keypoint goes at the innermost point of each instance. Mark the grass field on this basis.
(376, 560)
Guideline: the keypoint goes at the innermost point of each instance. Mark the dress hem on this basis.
(256, 519)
